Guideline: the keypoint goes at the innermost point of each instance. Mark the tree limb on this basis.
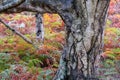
(11, 5)
(16, 32)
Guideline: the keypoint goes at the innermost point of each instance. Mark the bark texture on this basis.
(84, 36)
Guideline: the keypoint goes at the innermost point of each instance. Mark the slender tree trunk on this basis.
(84, 36)
(39, 27)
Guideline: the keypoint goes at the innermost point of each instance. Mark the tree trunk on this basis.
(39, 27)
(84, 38)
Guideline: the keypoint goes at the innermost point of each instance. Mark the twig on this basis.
(16, 32)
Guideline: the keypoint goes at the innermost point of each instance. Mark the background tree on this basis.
(85, 20)
(39, 27)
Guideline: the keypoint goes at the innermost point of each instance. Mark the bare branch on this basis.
(16, 32)
(28, 8)
(11, 5)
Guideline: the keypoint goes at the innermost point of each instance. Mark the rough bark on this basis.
(84, 36)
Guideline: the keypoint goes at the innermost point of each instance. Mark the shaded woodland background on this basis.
(22, 61)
